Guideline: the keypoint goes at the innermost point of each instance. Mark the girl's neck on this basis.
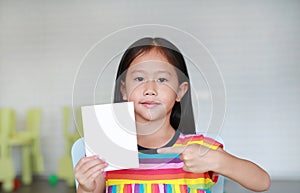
(153, 135)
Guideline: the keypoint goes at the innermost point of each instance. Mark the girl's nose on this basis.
(150, 88)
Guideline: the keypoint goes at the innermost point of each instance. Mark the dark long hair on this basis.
(182, 116)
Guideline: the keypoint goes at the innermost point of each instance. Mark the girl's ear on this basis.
(123, 90)
(182, 89)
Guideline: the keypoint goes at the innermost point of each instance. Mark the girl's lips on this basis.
(149, 104)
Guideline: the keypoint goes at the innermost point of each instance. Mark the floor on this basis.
(42, 186)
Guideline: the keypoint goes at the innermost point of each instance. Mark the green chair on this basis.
(29, 141)
(7, 170)
(33, 126)
(65, 169)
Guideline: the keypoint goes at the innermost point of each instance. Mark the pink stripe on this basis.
(161, 188)
(184, 188)
(127, 188)
(155, 188)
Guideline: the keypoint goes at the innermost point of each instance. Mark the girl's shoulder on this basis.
(187, 139)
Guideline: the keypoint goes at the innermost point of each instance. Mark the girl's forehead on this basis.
(152, 61)
(152, 66)
(152, 55)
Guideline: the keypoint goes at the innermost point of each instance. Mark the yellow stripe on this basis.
(121, 188)
(148, 188)
(177, 188)
(210, 146)
(203, 181)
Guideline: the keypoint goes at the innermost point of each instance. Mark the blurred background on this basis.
(255, 43)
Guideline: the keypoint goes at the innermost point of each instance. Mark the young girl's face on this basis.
(152, 84)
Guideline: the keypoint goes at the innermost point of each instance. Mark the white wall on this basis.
(256, 44)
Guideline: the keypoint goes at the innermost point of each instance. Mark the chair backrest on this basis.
(71, 117)
(33, 121)
(7, 124)
(78, 152)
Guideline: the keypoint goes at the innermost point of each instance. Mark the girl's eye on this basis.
(160, 80)
(140, 79)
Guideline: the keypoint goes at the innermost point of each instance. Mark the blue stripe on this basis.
(142, 188)
(169, 188)
(113, 189)
(142, 155)
(159, 161)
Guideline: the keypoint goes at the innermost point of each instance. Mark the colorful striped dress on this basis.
(163, 173)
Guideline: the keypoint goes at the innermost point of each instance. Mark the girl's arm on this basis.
(245, 172)
(90, 176)
(199, 159)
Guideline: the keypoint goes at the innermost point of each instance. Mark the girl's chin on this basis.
(148, 127)
(149, 119)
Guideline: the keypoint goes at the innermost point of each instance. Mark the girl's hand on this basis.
(197, 158)
(87, 171)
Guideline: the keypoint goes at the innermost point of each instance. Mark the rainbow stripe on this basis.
(163, 173)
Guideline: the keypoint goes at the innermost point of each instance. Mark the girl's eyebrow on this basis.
(158, 72)
(137, 71)
(164, 72)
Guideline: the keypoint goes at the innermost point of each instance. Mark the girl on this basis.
(153, 74)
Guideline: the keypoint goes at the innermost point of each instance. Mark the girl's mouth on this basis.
(149, 104)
